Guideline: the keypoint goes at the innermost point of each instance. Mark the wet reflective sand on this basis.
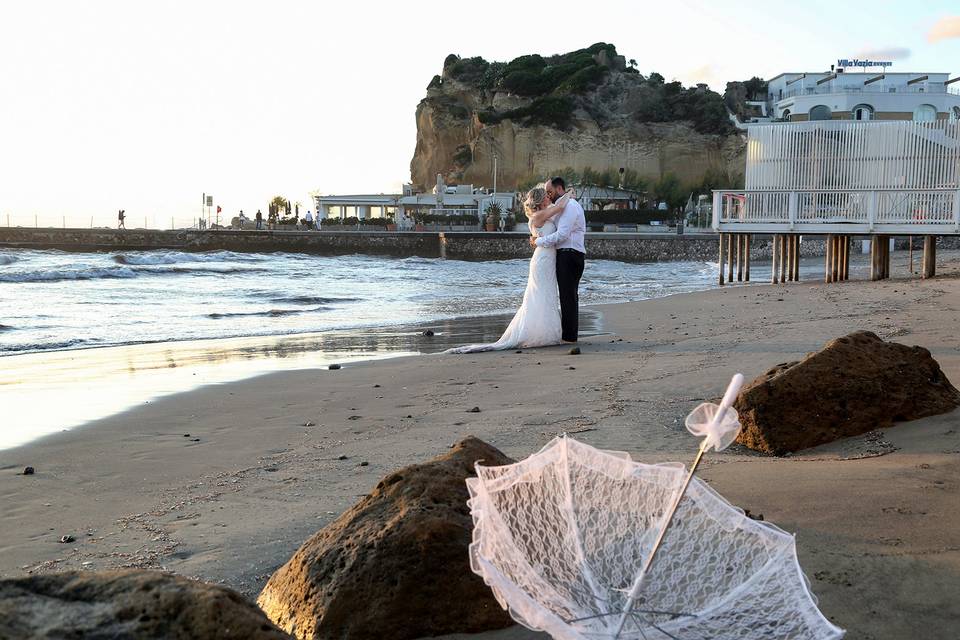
(43, 393)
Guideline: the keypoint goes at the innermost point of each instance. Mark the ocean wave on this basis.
(8, 259)
(174, 257)
(59, 276)
(42, 346)
(310, 300)
(272, 313)
(5, 327)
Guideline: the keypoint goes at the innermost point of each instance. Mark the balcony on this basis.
(876, 211)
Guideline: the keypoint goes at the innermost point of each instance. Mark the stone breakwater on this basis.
(624, 247)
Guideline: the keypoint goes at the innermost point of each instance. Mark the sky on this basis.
(147, 106)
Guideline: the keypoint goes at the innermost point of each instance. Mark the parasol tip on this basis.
(732, 390)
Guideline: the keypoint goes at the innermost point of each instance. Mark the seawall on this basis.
(624, 247)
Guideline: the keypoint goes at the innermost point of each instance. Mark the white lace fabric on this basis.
(559, 538)
(537, 321)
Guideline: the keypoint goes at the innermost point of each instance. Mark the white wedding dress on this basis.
(537, 322)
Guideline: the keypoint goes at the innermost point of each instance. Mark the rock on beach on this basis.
(855, 384)
(127, 605)
(396, 564)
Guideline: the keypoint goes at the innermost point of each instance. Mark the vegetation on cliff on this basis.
(737, 94)
(557, 85)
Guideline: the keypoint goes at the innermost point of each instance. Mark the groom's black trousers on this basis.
(569, 271)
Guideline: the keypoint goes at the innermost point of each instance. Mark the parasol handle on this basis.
(728, 399)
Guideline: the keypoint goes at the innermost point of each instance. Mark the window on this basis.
(820, 112)
(925, 113)
(863, 112)
(955, 114)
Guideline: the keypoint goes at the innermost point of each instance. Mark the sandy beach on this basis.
(224, 482)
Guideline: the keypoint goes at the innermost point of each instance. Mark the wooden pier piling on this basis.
(746, 267)
(929, 256)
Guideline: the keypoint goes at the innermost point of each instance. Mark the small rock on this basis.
(428, 333)
(341, 457)
(409, 416)
(364, 464)
(28, 471)
(572, 368)
(575, 351)
(376, 386)
(333, 367)
(354, 417)
(67, 539)
(186, 435)
(519, 351)
(308, 424)
(474, 410)
(194, 439)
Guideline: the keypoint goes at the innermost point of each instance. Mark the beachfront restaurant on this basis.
(453, 200)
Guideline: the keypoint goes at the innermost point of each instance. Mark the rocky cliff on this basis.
(585, 111)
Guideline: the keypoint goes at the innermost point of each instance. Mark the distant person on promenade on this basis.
(259, 219)
(122, 219)
(317, 222)
(309, 220)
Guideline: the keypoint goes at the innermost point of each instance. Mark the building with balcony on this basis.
(842, 95)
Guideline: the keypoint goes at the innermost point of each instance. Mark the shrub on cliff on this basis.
(670, 101)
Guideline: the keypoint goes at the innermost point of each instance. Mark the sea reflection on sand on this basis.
(44, 393)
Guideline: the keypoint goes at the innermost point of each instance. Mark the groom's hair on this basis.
(557, 181)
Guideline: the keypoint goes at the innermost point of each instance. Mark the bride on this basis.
(537, 322)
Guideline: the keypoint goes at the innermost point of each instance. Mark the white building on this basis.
(452, 200)
(844, 95)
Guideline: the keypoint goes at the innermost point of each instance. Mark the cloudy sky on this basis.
(108, 105)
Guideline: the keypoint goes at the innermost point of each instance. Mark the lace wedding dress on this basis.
(537, 322)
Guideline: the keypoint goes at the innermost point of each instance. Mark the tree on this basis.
(668, 189)
(278, 204)
(632, 63)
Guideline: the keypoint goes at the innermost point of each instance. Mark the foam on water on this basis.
(55, 300)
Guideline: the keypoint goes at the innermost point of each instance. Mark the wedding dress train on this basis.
(537, 321)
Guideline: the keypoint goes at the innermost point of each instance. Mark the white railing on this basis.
(454, 212)
(934, 211)
(826, 89)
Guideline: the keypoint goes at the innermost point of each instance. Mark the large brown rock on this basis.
(853, 385)
(396, 564)
(126, 605)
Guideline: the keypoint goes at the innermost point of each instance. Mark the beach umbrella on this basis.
(588, 544)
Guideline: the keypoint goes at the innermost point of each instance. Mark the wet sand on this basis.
(876, 518)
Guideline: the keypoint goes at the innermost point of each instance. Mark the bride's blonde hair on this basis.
(534, 199)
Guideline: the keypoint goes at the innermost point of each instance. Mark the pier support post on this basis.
(827, 258)
(788, 241)
(886, 257)
(875, 258)
(740, 237)
(747, 243)
(730, 237)
(773, 259)
(844, 257)
(783, 255)
(796, 259)
(929, 256)
(720, 261)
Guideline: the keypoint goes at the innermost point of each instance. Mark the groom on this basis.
(568, 239)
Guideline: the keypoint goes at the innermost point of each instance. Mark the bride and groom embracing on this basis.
(549, 312)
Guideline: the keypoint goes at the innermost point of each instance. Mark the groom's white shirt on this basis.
(571, 225)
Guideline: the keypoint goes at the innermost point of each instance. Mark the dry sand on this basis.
(876, 516)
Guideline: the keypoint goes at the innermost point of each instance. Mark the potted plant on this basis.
(511, 221)
(493, 212)
(418, 221)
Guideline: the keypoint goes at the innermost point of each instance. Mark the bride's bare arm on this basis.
(538, 218)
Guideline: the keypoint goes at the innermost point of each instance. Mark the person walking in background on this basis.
(259, 219)
(309, 220)
(122, 219)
